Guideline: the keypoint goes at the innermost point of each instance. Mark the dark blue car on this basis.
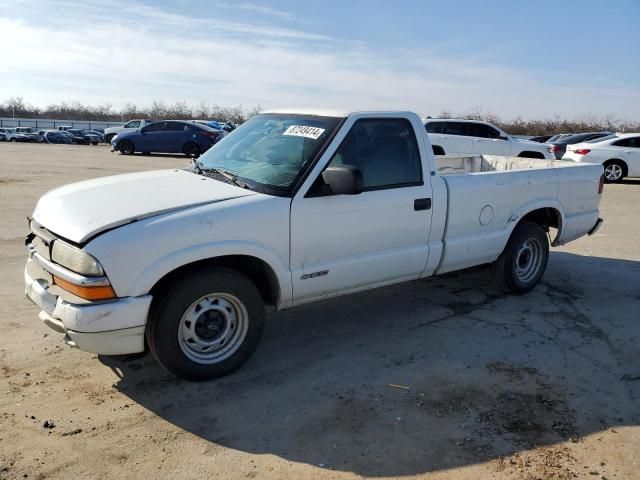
(167, 136)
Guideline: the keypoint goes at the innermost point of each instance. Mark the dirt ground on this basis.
(445, 378)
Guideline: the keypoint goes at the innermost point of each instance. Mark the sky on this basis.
(533, 59)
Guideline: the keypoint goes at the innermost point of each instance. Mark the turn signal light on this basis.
(88, 293)
(582, 151)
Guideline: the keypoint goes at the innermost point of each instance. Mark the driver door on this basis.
(349, 242)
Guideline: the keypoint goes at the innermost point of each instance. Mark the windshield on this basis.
(271, 149)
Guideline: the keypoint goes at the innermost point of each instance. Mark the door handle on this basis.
(422, 204)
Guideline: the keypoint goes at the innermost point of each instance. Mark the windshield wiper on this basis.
(200, 170)
(227, 175)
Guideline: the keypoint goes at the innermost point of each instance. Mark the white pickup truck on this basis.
(451, 136)
(292, 207)
(130, 126)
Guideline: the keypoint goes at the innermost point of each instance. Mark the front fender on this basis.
(142, 283)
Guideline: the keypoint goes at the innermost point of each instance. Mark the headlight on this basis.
(75, 259)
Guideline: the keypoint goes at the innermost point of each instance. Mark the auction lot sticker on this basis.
(303, 131)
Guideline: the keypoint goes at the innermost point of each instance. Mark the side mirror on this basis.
(503, 137)
(343, 179)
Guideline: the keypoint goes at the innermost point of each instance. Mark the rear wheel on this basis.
(524, 260)
(126, 147)
(207, 325)
(614, 171)
(191, 150)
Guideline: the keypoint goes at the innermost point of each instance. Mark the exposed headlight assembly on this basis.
(75, 259)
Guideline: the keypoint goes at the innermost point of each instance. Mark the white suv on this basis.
(458, 136)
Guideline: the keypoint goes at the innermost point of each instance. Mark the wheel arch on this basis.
(547, 217)
(257, 270)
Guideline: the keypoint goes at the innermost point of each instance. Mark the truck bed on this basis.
(454, 164)
(493, 193)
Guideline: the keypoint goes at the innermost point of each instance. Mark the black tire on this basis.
(191, 150)
(12, 140)
(126, 147)
(167, 323)
(528, 244)
(614, 171)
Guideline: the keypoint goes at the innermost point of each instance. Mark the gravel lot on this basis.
(440, 378)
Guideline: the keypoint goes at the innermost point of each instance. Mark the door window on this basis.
(175, 127)
(434, 127)
(133, 124)
(633, 142)
(385, 150)
(456, 128)
(154, 127)
(483, 131)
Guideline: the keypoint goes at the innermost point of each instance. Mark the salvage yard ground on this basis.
(445, 378)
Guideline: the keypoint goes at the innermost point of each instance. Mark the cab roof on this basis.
(323, 112)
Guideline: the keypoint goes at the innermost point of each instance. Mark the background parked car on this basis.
(619, 153)
(220, 126)
(130, 126)
(559, 136)
(559, 147)
(14, 136)
(29, 132)
(3, 137)
(77, 139)
(92, 138)
(172, 136)
(97, 133)
(460, 136)
(55, 136)
(5, 134)
(540, 138)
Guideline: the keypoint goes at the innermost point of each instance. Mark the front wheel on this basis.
(524, 260)
(206, 325)
(126, 147)
(191, 150)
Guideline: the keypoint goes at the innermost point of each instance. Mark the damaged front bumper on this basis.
(114, 327)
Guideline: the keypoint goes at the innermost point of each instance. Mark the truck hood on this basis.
(81, 210)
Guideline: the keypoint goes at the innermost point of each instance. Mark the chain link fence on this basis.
(44, 123)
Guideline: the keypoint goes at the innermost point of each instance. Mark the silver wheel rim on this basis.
(613, 172)
(213, 328)
(528, 260)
